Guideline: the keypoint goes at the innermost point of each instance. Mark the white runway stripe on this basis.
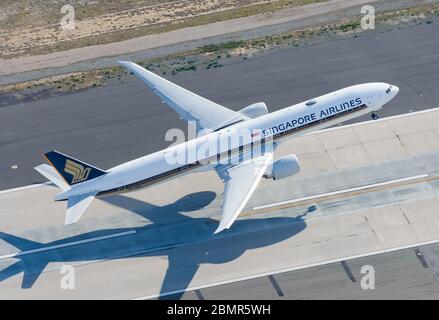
(31, 186)
(356, 124)
(68, 244)
(341, 191)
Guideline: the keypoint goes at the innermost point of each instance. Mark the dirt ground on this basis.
(26, 25)
(36, 13)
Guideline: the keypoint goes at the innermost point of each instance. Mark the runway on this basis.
(115, 124)
(365, 188)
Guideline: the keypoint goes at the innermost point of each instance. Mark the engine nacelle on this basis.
(284, 167)
(255, 110)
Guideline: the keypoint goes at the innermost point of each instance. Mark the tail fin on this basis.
(72, 170)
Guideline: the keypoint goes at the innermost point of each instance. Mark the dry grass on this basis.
(61, 83)
(25, 14)
(92, 28)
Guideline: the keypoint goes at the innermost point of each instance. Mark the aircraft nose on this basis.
(391, 91)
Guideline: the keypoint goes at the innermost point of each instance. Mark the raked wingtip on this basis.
(219, 229)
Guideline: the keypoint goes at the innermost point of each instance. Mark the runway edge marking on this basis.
(356, 124)
(321, 195)
(67, 244)
(31, 186)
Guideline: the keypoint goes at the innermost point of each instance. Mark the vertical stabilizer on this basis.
(72, 170)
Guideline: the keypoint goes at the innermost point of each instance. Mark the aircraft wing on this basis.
(240, 183)
(190, 106)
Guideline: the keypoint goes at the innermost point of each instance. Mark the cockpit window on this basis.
(389, 89)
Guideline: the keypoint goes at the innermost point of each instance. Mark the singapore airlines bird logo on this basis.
(77, 170)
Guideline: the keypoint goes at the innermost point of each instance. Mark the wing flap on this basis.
(240, 183)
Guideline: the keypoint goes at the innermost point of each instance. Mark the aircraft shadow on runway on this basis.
(184, 260)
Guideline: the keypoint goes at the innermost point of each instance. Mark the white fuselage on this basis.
(315, 114)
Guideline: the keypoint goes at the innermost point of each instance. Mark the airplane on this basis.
(238, 145)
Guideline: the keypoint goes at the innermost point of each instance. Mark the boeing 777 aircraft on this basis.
(239, 145)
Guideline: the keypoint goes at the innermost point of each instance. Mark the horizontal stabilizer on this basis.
(76, 207)
(52, 175)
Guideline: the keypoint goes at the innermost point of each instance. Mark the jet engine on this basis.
(283, 168)
(255, 110)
